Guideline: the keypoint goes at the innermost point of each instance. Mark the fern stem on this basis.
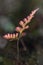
(18, 49)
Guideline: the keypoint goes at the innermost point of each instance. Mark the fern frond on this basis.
(23, 25)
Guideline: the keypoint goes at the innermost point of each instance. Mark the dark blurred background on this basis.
(11, 12)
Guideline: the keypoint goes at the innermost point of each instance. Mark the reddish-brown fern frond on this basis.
(23, 25)
(10, 36)
(25, 22)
